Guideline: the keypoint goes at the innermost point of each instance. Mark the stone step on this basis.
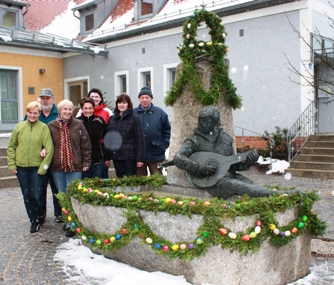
(5, 172)
(314, 158)
(312, 165)
(3, 151)
(311, 173)
(8, 182)
(3, 161)
(320, 137)
(317, 151)
(320, 144)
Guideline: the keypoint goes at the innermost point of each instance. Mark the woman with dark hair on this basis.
(100, 109)
(96, 128)
(125, 138)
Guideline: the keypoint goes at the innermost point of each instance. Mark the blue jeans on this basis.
(96, 170)
(63, 179)
(32, 187)
(125, 167)
(56, 206)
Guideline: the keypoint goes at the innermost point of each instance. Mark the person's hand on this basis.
(43, 152)
(107, 163)
(251, 158)
(207, 170)
(14, 171)
(140, 164)
(85, 168)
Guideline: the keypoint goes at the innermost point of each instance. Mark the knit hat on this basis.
(145, 91)
(46, 92)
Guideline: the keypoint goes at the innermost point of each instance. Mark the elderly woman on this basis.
(25, 144)
(72, 149)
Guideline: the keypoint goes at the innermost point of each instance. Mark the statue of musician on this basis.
(210, 161)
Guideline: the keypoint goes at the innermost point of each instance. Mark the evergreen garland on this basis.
(216, 51)
(211, 232)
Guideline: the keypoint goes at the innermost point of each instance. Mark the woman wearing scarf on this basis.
(72, 149)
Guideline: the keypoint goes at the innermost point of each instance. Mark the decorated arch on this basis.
(215, 50)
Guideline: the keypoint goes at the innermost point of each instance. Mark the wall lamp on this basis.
(42, 70)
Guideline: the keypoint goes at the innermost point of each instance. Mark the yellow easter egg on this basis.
(272, 227)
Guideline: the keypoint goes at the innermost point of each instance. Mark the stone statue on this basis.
(210, 161)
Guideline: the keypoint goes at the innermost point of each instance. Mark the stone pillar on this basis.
(185, 117)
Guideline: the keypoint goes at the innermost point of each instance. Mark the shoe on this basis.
(69, 233)
(41, 220)
(66, 227)
(59, 219)
(35, 226)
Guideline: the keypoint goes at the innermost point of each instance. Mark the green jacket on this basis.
(25, 144)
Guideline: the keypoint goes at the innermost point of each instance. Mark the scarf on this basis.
(65, 153)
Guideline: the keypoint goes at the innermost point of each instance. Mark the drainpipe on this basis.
(75, 15)
(26, 11)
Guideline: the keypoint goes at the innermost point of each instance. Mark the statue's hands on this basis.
(251, 158)
(207, 170)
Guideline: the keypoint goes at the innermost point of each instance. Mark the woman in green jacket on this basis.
(24, 147)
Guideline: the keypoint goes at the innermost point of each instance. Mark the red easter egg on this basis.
(246, 238)
(223, 231)
(165, 248)
(123, 231)
(106, 241)
(78, 230)
(258, 223)
(65, 212)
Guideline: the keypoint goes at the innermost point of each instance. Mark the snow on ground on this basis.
(86, 268)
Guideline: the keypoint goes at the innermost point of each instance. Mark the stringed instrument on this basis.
(222, 163)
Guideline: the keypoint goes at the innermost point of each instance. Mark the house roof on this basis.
(42, 13)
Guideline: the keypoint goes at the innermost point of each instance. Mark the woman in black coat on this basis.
(125, 139)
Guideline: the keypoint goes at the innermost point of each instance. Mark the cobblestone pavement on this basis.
(28, 259)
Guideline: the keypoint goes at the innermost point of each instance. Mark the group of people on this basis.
(52, 147)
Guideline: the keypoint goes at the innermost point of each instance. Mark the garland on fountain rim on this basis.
(211, 232)
(215, 50)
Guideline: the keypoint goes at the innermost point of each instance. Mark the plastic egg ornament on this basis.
(168, 200)
(304, 218)
(73, 224)
(287, 233)
(175, 247)
(300, 225)
(165, 248)
(91, 240)
(188, 36)
(199, 241)
(180, 203)
(282, 234)
(189, 26)
(257, 229)
(123, 231)
(83, 237)
(232, 235)
(209, 44)
(201, 44)
(78, 230)
(157, 245)
(258, 223)
(191, 246)
(172, 201)
(223, 231)
(106, 241)
(98, 242)
(65, 212)
(183, 246)
(252, 235)
(276, 231)
(246, 238)
(207, 203)
(149, 240)
(294, 230)
(191, 45)
(112, 239)
(69, 218)
(118, 236)
(272, 227)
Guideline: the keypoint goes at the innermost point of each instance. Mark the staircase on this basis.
(315, 159)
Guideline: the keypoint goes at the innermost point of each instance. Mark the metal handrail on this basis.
(301, 130)
(271, 141)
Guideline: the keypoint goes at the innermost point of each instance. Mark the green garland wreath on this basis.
(216, 50)
(211, 232)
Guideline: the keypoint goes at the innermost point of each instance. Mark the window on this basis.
(9, 96)
(89, 22)
(146, 7)
(145, 77)
(76, 89)
(169, 73)
(121, 82)
(9, 19)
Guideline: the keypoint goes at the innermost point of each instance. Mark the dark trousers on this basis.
(152, 167)
(32, 185)
(54, 190)
(125, 167)
(96, 170)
